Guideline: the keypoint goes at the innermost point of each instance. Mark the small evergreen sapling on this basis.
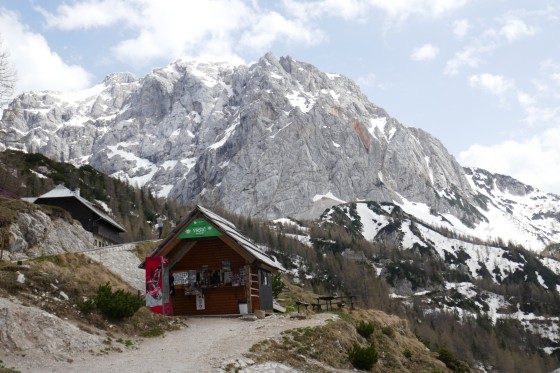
(363, 358)
(118, 304)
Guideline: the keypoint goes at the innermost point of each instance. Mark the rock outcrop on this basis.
(35, 234)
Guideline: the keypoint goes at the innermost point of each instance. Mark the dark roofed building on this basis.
(105, 230)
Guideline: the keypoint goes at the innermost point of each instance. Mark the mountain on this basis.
(431, 270)
(274, 139)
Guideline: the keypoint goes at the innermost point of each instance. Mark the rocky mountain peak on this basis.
(270, 139)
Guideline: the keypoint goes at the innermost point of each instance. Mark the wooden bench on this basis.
(343, 299)
(300, 303)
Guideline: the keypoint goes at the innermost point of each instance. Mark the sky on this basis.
(483, 76)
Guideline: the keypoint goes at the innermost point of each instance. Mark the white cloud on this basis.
(90, 14)
(346, 9)
(403, 9)
(533, 161)
(536, 114)
(396, 11)
(193, 29)
(164, 29)
(370, 80)
(272, 27)
(38, 67)
(472, 55)
(425, 52)
(514, 29)
(533, 106)
(495, 84)
(461, 27)
(469, 56)
(216, 29)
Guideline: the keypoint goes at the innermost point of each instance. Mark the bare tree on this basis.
(7, 83)
(7, 75)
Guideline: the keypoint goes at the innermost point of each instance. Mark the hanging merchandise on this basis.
(242, 276)
(200, 304)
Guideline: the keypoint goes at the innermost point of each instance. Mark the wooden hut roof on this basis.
(245, 246)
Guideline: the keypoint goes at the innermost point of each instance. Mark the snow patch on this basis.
(227, 134)
(169, 164)
(332, 76)
(164, 191)
(297, 100)
(39, 175)
(379, 124)
(329, 195)
(430, 171)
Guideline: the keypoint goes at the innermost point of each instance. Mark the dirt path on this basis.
(206, 345)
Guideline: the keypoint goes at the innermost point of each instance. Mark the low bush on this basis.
(86, 305)
(117, 304)
(365, 329)
(452, 362)
(363, 358)
(150, 333)
(388, 331)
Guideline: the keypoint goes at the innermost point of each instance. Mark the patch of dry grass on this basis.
(321, 348)
(293, 293)
(143, 249)
(60, 284)
(10, 208)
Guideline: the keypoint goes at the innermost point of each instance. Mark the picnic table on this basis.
(326, 300)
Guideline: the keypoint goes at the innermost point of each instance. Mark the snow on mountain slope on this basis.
(479, 260)
(520, 214)
(262, 139)
(473, 277)
(266, 140)
(517, 211)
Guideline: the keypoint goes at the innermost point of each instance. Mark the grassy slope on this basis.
(49, 281)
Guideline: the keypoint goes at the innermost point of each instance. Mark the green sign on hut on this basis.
(199, 228)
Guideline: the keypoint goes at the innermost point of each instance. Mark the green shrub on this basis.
(154, 332)
(452, 362)
(388, 331)
(277, 285)
(407, 353)
(365, 329)
(86, 305)
(363, 358)
(118, 304)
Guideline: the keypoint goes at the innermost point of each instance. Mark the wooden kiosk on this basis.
(216, 270)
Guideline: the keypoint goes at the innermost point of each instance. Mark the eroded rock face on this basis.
(35, 234)
(263, 139)
(30, 330)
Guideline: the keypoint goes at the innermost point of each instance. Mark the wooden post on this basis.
(248, 288)
(3, 239)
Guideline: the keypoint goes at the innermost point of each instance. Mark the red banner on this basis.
(157, 285)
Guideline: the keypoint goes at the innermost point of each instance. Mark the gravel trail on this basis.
(206, 345)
